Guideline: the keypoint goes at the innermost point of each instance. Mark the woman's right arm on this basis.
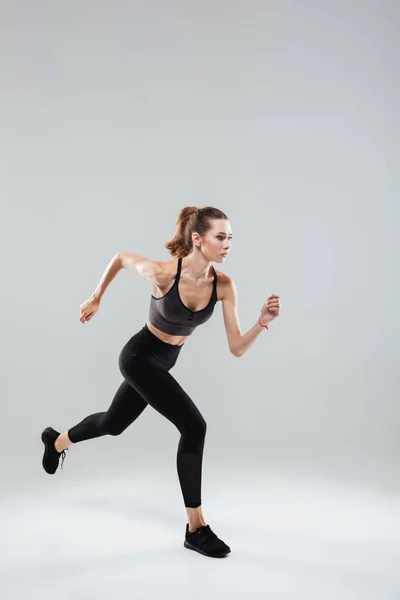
(150, 269)
(123, 260)
(126, 260)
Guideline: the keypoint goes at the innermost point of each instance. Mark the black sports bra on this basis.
(170, 315)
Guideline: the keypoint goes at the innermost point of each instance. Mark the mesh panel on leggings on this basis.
(189, 473)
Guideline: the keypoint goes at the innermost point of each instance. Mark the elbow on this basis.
(236, 352)
(119, 260)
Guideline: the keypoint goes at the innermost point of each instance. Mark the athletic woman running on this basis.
(185, 291)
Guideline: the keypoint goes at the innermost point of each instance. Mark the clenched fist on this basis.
(88, 309)
(270, 309)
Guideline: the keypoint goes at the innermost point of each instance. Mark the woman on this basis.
(185, 292)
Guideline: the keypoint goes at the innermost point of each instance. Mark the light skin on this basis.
(195, 287)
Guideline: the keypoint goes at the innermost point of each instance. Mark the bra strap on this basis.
(215, 282)
(178, 271)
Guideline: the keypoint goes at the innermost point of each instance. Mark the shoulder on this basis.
(166, 267)
(154, 270)
(165, 271)
(226, 286)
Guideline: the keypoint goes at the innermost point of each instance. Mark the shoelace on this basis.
(63, 455)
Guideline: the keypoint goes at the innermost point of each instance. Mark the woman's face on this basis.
(216, 242)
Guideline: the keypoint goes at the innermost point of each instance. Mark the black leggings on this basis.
(145, 362)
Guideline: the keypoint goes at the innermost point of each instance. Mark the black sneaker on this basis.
(204, 540)
(51, 456)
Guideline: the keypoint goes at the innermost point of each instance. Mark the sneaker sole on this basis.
(191, 547)
(45, 433)
(45, 439)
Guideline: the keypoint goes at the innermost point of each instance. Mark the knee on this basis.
(115, 430)
(197, 429)
(202, 427)
(193, 437)
(110, 428)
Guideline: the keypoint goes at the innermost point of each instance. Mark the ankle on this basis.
(62, 442)
(193, 526)
(195, 517)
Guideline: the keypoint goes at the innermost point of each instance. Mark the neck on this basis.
(196, 267)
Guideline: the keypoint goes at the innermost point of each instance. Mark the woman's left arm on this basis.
(239, 343)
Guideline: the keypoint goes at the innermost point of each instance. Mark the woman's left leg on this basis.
(161, 390)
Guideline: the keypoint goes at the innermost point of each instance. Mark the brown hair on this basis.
(192, 219)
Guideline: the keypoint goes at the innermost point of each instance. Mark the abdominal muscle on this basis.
(175, 340)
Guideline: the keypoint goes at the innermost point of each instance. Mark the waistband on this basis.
(156, 342)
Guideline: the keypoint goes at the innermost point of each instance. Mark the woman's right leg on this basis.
(125, 408)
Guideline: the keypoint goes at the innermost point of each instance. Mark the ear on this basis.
(196, 239)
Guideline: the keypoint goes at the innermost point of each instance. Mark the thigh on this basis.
(126, 406)
(161, 390)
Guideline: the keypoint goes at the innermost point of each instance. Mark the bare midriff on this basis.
(175, 340)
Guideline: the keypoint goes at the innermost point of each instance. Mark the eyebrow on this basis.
(223, 233)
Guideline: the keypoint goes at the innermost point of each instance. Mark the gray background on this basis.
(115, 115)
